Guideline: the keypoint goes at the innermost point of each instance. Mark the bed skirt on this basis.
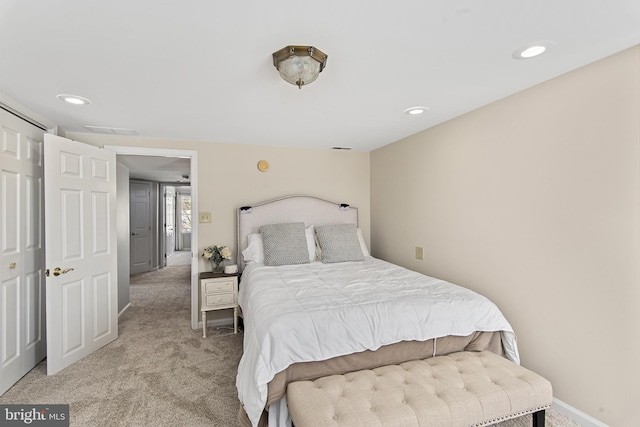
(386, 355)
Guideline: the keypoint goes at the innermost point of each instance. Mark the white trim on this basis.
(193, 155)
(12, 103)
(124, 309)
(576, 415)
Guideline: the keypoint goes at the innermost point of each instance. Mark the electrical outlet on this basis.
(205, 217)
(419, 252)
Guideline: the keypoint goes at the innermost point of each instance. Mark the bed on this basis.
(315, 303)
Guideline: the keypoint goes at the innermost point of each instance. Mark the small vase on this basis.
(216, 268)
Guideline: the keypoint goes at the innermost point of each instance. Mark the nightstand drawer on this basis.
(218, 299)
(211, 287)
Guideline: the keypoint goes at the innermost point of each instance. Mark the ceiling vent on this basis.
(111, 131)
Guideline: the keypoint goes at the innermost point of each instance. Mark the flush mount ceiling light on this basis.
(532, 50)
(299, 65)
(416, 111)
(73, 99)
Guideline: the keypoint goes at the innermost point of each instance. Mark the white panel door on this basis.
(140, 225)
(81, 250)
(22, 334)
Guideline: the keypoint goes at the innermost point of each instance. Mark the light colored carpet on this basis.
(159, 372)
(179, 258)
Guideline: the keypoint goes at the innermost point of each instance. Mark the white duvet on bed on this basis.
(316, 311)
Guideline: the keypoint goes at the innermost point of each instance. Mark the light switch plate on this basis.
(205, 217)
(419, 252)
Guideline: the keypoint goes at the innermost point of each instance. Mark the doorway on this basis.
(140, 224)
(192, 176)
(177, 224)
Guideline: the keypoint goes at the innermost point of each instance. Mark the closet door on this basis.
(22, 292)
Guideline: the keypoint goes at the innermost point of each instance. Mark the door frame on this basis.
(193, 156)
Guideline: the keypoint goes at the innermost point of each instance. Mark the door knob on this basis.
(58, 271)
(134, 234)
(12, 266)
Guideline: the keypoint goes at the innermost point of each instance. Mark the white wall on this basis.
(534, 201)
(123, 236)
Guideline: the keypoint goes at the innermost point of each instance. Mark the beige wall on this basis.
(228, 178)
(534, 201)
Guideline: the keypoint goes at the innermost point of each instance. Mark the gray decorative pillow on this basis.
(284, 244)
(339, 243)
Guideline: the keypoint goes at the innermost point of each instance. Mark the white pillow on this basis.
(310, 234)
(255, 249)
(363, 245)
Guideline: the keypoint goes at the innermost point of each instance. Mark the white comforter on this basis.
(310, 312)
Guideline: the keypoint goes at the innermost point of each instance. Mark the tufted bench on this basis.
(459, 389)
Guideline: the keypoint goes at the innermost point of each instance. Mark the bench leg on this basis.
(538, 419)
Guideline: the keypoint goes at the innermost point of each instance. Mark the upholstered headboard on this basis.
(307, 209)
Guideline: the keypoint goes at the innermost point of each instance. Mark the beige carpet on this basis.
(159, 372)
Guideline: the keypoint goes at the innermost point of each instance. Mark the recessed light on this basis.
(73, 99)
(531, 50)
(416, 111)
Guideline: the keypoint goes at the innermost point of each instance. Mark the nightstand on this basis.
(218, 291)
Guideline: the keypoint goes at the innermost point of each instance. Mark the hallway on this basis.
(179, 258)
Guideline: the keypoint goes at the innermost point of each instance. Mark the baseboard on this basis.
(124, 309)
(576, 415)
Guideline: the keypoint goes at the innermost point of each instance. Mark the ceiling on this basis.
(202, 70)
(157, 168)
